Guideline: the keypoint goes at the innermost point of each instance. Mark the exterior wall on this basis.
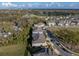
(37, 44)
(51, 24)
(66, 24)
(40, 25)
(60, 24)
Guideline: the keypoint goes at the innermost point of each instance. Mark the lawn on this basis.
(13, 50)
(68, 36)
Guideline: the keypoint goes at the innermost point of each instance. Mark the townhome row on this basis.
(63, 21)
(38, 40)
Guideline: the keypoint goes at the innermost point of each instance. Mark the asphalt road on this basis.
(58, 45)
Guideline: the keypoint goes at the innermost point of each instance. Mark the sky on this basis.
(39, 5)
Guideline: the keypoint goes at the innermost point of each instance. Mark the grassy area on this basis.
(69, 36)
(13, 50)
(18, 45)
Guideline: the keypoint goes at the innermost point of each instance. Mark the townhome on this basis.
(39, 25)
(61, 23)
(38, 34)
(73, 23)
(51, 23)
(39, 40)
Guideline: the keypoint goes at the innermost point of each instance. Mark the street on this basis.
(58, 45)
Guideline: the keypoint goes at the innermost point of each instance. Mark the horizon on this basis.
(39, 5)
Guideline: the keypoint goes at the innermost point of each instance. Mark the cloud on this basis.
(30, 5)
(36, 5)
(73, 5)
(39, 5)
(63, 5)
(55, 4)
(8, 4)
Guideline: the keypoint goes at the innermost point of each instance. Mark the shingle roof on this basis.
(38, 36)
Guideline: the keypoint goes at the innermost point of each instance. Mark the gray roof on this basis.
(38, 37)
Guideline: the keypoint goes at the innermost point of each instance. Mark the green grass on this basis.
(69, 36)
(13, 50)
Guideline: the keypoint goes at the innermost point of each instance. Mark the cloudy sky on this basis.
(39, 5)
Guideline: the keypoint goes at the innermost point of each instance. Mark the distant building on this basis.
(50, 24)
(61, 17)
(61, 23)
(39, 25)
(67, 23)
(47, 18)
(74, 22)
(16, 28)
(5, 35)
(78, 22)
